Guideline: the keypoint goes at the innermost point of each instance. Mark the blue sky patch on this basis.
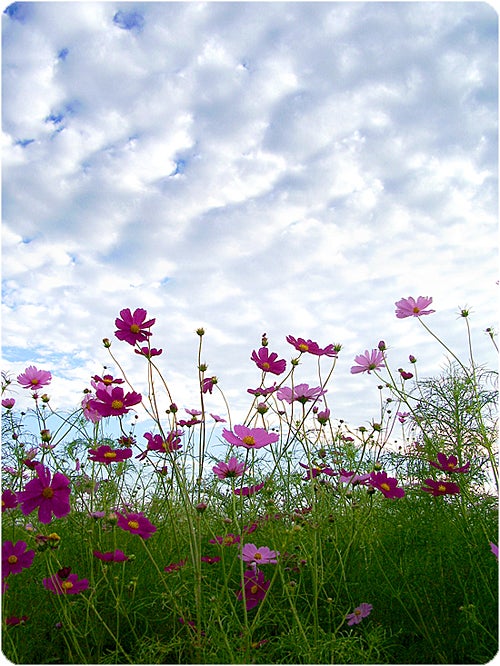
(19, 11)
(128, 20)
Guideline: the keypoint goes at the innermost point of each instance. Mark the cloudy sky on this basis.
(288, 168)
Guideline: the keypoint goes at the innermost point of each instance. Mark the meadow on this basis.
(309, 541)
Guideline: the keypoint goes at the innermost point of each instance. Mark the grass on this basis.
(423, 562)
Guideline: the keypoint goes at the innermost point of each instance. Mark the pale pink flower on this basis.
(33, 378)
(409, 307)
(368, 361)
(263, 555)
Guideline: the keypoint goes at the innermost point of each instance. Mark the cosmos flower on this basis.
(171, 443)
(494, 549)
(217, 418)
(8, 403)
(105, 454)
(65, 585)
(136, 523)
(368, 361)
(114, 401)
(311, 347)
(254, 588)
(402, 416)
(231, 469)
(263, 555)
(106, 380)
(268, 362)
(208, 384)
(249, 438)
(227, 540)
(148, 352)
(131, 327)
(248, 490)
(302, 393)
(353, 478)
(113, 556)
(89, 412)
(449, 465)
(33, 378)
(409, 307)
(15, 557)
(49, 494)
(174, 566)
(363, 610)
(314, 470)
(262, 391)
(9, 500)
(386, 485)
(437, 488)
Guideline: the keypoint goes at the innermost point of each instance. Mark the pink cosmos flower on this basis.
(88, 412)
(404, 374)
(15, 558)
(171, 443)
(387, 485)
(227, 540)
(248, 490)
(494, 549)
(33, 378)
(438, 488)
(113, 556)
(402, 416)
(210, 560)
(12, 621)
(368, 361)
(217, 418)
(353, 478)
(105, 454)
(263, 555)
(261, 391)
(313, 471)
(174, 566)
(67, 585)
(323, 416)
(136, 523)
(302, 393)
(254, 588)
(8, 403)
(131, 327)
(311, 347)
(449, 464)
(208, 384)
(363, 610)
(409, 307)
(148, 352)
(107, 380)
(231, 469)
(114, 401)
(9, 500)
(249, 438)
(268, 362)
(50, 496)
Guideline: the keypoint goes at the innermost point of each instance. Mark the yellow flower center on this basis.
(66, 585)
(35, 381)
(257, 556)
(266, 365)
(133, 524)
(416, 310)
(135, 328)
(385, 486)
(248, 440)
(451, 465)
(303, 347)
(110, 454)
(12, 559)
(357, 612)
(441, 488)
(48, 493)
(254, 589)
(116, 404)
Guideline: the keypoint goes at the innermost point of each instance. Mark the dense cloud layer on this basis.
(293, 168)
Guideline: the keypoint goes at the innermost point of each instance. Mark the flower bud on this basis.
(106, 342)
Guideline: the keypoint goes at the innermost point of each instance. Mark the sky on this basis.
(290, 168)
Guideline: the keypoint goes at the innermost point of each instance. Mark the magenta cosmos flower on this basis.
(409, 307)
(363, 610)
(67, 585)
(268, 362)
(15, 557)
(33, 378)
(9, 500)
(114, 401)
(148, 352)
(314, 470)
(438, 488)
(105, 454)
(302, 393)
(132, 327)
(136, 523)
(49, 495)
(368, 361)
(248, 490)
(112, 556)
(229, 470)
(254, 588)
(449, 464)
(263, 555)
(250, 438)
(171, 443)
(207, 385)
(386, 485)
(311, 347)
(8, 403)
(227, 540)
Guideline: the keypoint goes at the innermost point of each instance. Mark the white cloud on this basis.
(248, 167)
